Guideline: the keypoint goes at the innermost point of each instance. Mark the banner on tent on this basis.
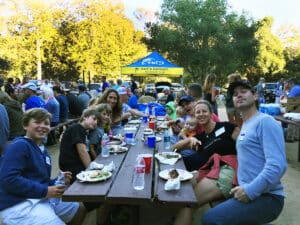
(141, 71)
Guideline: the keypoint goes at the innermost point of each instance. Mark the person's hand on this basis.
(195, 143)
(239, 194)
(68, 177)
(55, 191)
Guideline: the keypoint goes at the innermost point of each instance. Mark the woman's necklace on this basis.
(209, 129)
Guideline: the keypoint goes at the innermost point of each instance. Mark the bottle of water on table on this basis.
(167, 139)
(60, 180)
(104, 146)
(138, 181)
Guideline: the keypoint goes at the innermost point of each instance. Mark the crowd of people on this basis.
(238, 164)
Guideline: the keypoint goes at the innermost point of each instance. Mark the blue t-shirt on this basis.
(52, 107)
(295, 91)
(63, 107)
(261, 156)
(34, 102)
(133, 102)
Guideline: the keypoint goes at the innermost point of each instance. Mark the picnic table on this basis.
(119, 190)
(291, 122)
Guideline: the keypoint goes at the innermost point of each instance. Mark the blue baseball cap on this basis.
(185, 98)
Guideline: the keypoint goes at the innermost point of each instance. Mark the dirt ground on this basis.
(160, 215)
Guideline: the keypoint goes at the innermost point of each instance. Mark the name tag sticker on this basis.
(48, 161)
(242, 136)
(220, 131)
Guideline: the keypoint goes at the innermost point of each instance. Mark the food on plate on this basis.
(117, 148)
(169, 155)
(173, 173)
(98, 174)
(118, 136)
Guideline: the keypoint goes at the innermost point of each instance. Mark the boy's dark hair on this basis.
(88, 113)
(196, 89)
(38, 114)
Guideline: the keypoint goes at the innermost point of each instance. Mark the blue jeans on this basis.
(192, 159)
(263, 209)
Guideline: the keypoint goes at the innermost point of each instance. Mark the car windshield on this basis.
(271, 86)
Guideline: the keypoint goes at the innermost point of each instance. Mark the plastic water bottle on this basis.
(60, 180)
(167, 139)
(104, 146)
(138, 181)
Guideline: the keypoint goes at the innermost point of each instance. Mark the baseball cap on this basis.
(185, 98)
(30, 86)
(122, 91)
(240, 83)
(166, 89)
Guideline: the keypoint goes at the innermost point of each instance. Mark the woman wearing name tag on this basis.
(215, 149)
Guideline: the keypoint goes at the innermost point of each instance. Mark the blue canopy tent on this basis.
(153, 64)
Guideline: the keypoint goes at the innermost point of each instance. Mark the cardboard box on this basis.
(293, 105)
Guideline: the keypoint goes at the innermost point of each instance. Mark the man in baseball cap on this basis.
(31, 98)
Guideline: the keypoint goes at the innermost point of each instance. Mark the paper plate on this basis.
(168, 155)
(93, 175)
(117, 149)
(134, 121)
(183, 174)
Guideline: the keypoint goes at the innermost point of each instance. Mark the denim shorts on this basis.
(39, 212)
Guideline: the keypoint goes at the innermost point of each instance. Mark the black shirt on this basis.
(218, 141)
(69, 159)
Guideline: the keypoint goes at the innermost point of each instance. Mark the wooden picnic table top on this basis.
(118, 189)
(285, 120)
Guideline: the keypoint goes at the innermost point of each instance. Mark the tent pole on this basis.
(181, 80)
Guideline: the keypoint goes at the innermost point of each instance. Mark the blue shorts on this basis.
(39, 212)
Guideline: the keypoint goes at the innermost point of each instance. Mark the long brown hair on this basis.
(117, 110)
(209, 82)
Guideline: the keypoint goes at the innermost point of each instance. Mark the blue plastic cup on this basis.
(145, 119)
(129, 137)
(151, 141)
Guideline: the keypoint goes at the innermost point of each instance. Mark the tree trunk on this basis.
(39, 60)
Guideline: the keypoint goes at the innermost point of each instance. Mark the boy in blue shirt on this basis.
(25, 184)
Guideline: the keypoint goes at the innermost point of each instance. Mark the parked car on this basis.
(95, 86)
(149, 89)
(270, 92)
(161, 85)
(176, 87)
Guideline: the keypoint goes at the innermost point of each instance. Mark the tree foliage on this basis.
(69, 37)
(203, 36)
(270, 58)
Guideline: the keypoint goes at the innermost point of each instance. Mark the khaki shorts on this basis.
(224, 182)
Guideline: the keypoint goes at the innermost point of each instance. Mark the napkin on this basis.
(164, 160)
(172, 184)
(110, 167)
(96, 166)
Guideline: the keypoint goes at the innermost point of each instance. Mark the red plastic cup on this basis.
(148, 161)
(152, 125)
(217, 91)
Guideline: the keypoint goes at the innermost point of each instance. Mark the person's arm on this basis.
(235, 133)
(14, 164)
(184, 144)
(135, 112)
(213, 94)
(83, 154)
(93, 152)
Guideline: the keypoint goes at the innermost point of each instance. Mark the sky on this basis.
(283, 11)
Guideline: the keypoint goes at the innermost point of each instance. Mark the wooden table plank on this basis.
(122, 190)
(94, 192)
(182, 197)
(288, 121)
